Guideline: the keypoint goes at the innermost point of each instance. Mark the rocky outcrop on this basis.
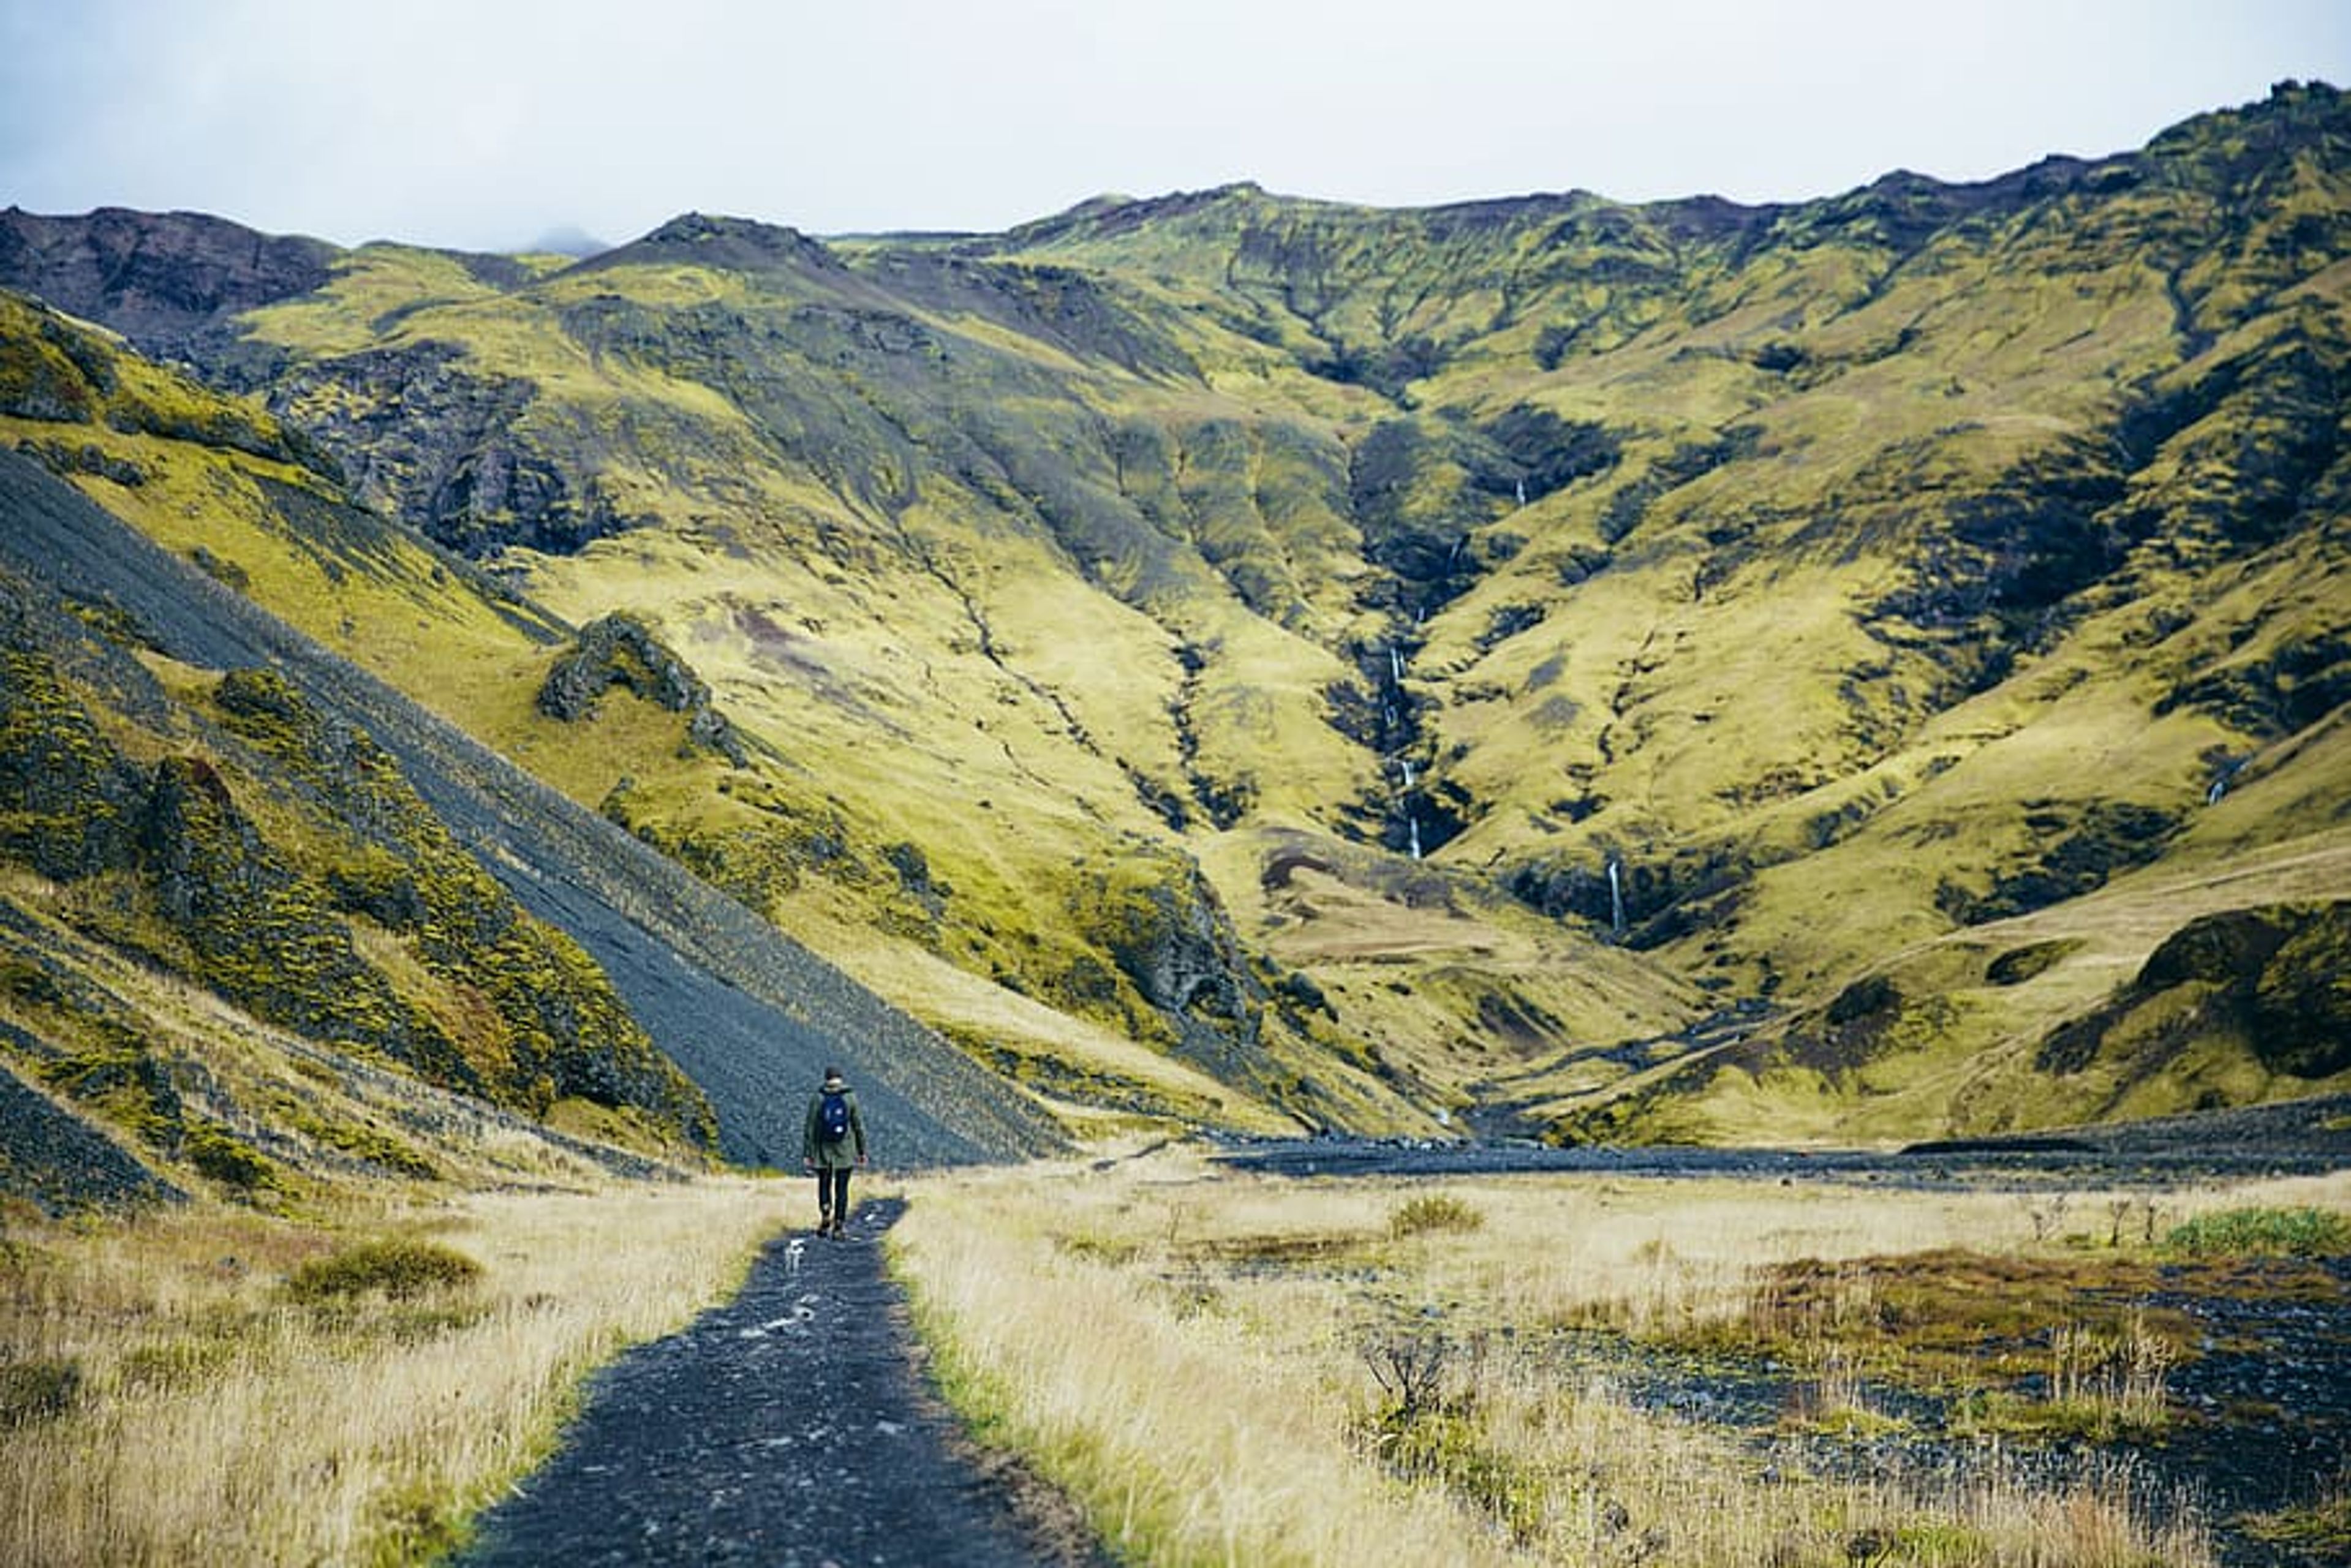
(622, 651)
(199, 887)
(55, 1160)
(168, 281)
(421, 433)
(742, 245)
(71, 799)
(57, 371)
(1177, 954)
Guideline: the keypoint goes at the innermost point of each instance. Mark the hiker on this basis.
(832, 1142)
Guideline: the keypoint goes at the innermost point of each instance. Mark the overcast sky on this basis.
(486, 123)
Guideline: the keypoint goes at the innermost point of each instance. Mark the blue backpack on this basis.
(833, 1116)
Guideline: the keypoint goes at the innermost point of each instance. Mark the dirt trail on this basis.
(788, 1429)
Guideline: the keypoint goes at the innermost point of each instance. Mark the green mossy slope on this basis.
(1620, 670)
(220, 831)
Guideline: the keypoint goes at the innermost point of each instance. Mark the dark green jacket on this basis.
(837, 1154)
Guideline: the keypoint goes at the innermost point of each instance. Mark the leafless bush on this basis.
(1411, 1371)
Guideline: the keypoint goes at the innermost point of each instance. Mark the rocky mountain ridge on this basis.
(1669, 671)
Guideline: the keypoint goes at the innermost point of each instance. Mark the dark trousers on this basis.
(833, 1191)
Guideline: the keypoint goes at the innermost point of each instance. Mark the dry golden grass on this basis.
(1212, 1366)
(211, 1416)
(1197, 1357)
(1185, 1436)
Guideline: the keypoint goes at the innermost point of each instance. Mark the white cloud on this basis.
(484, 121)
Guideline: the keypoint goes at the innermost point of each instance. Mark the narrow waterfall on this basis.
(1616, 896)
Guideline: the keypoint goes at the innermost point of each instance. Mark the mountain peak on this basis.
(742, 245)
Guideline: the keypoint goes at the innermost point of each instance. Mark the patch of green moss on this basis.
(2000, 1413)
(2019, 965)
(129, 1086)
(2261, 1233)
(2317, 1532)
(369, 1144)
(218, 1154)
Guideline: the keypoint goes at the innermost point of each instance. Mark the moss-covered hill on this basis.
(236, 869)
(1668, 671)
(169, 832)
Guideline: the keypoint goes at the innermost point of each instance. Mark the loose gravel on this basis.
(789, 1429)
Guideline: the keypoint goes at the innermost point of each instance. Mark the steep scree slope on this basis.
(750, 1017)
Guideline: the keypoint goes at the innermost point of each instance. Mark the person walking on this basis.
(832, 1143)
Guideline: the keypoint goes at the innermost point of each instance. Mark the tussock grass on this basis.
(1187, 1436)
(207, 1412)
(1434, 1211)
(1224, 1369)
(396, 1267)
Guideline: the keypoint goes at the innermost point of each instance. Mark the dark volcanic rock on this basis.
(621, 650)
(421, 433)
(164, 280)
(53, 1158)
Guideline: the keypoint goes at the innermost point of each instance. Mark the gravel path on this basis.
(788, 1429)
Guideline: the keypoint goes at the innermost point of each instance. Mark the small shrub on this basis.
(34, 1391)
(2261, 1232)
(1412, 1373)
(397, 1268)
(1434, 1211)
(229, 1161)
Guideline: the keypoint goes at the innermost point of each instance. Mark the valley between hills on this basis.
(1851, 672)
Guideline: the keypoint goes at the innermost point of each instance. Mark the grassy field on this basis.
(1215, 1367)
(1225, 1369)
(214, 1384)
